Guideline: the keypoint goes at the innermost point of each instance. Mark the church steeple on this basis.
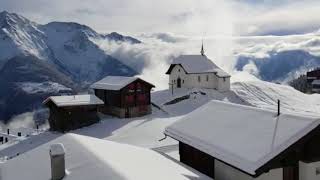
(202, 49)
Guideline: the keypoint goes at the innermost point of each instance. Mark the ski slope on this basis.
(265, 95)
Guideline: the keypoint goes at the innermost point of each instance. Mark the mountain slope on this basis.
(265, 95)
(114, 36)
(76, 53)
(26, 81)
(41, 60)
(280, 66)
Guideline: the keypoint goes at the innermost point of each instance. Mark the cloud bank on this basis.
(182, 17)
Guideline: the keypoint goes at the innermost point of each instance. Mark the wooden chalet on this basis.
(249, 143)
(313, 75)
(72, 112)
(124, 97)
(313, 78)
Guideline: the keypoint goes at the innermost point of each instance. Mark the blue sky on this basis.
(183, 17)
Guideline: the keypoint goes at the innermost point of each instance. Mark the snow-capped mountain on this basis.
(114, 36)
(280, 66)
(51, 57)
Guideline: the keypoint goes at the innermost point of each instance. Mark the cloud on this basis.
(152, 58)
(183, 17)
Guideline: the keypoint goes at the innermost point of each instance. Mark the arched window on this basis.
(199, 78)
(207, 77)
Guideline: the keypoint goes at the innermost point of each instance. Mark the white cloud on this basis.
(183, 17)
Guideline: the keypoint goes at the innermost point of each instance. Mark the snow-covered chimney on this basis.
(57, 153)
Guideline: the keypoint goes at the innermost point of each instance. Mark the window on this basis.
(224, 79)
(179, 70)
(199, 78)
(207, 77)
(182, 81)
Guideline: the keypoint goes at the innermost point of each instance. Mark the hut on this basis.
(72, 112)
(124, 97)
(249, 143)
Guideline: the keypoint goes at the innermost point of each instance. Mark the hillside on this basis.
(280, 66)
(148, 130)
(59, 57)
(265, 95)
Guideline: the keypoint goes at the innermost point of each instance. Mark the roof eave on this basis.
(252, 174)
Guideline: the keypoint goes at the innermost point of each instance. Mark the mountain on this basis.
(280, 66)
(40, 60)
(114, 36)
(26, 81)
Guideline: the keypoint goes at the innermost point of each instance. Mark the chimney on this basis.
(57, 153)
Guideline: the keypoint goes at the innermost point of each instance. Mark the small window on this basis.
(182, 81)
(207, 77)
(199, 78)
(179, 70)
(174, 81)
(224, 79)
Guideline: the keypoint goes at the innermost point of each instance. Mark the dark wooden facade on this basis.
(196, 159)
(133, 100)
(307, 150)
(313, 75)
(64, 119)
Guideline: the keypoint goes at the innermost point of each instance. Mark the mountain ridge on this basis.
(69, 59)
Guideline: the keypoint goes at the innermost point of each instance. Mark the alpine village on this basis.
(220, 140)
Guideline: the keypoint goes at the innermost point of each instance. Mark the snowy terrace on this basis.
(148, 130)
(92, 158)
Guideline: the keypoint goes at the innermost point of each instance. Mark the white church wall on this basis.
(191, 80)
(309, 171)
(224, 84)
(201, 81)
(177, 72)
(226, 172)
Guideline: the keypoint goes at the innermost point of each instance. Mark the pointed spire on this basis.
(202, 50)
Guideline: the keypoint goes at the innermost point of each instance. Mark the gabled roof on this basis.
(244, 137)
(115, 82)
(92, 158)
(195, 64)
(75, 100)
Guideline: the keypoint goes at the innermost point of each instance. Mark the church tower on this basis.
(202, 50)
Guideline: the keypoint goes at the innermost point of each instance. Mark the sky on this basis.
(181, 17)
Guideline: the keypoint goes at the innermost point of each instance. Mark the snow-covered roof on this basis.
(92, 158)
(114, 82)
(316, 82)
(242, 136)
(75, 100)
(198, 64)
